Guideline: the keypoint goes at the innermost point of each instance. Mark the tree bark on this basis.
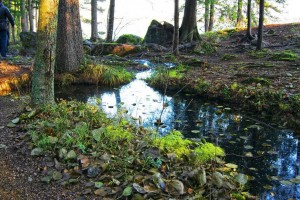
(188, 31)
(176, 28)
(43, 71)
(94, 24)
(69, 52)
(206, 14)
(239, 14)
(260, 26)
(110, 27)
(211, 15)
(24, 23)
(249, 35)
(30, 15)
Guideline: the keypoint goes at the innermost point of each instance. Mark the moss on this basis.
(207, 152)
(284, 56)
(173, 143)
(260, 54)
(229, 57)
(130, 39)
(262, 81)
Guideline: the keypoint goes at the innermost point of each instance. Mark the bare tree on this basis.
(111, 17)
(176, 28)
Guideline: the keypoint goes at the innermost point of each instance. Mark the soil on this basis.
(20, 173)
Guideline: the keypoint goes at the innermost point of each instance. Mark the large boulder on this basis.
(158, 33)
(28, 40)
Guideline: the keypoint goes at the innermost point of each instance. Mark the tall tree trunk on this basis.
(24, 23)
(94, 24)
(249, 35)
(261, 24)
(110, 27)
(176, 28)
(30, 14)
(239, 14)
(188, 31)
(206, 14)
(69, 52)
(43, 71)
(211, 15)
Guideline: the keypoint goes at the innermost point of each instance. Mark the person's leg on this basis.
(3, 43)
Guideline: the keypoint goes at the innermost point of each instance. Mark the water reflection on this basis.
(269, 155)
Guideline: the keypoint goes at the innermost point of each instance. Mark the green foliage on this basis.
(116, 76)
(173, 143)
(284, 56)
(93, 73)
(106, 75)
(130, 39)
(207, 152)
(201, 86)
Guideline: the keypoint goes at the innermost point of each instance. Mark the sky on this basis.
(134, 16)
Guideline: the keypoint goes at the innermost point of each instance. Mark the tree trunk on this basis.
(188, 31)
(43, 71)
(206, 14)
(176, 28)
(239, 14)
(94, 24)
(24, 23)
(69, 52)
(110, 27)
(30, 14)
(249, 35)
(211, 15)
(260, 26)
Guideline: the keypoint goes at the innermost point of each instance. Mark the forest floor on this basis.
(233, 62)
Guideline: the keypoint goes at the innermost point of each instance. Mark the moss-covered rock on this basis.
(130, 39)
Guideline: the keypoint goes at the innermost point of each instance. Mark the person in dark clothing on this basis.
(4, 15)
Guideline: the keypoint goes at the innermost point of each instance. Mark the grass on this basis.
(284, 56)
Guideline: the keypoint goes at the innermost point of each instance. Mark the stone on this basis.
(158, 33)
(36, 152)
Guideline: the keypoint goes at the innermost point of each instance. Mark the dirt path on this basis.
(19, 172)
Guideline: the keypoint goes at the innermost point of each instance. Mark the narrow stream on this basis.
(270, 155)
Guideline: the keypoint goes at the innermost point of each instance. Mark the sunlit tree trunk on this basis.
(110, 27)
(239, 14)
(188, 31)
(43, 71)
(261, 23)
(211, 15)
(206, 14)
(69, 51)
(176, 28)
(24, 23)
(94, 24)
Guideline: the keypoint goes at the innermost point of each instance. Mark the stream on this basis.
(268, 154)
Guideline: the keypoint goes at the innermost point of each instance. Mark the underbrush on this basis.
(97, 74)
(117, 155)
